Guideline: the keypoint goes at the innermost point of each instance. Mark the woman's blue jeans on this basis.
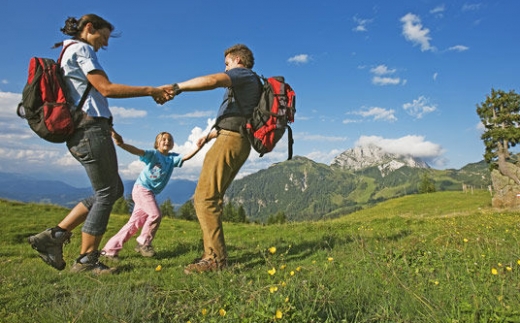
(93, 147)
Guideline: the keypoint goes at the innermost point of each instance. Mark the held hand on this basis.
(201, 141)
(117, 138)
(163, 94)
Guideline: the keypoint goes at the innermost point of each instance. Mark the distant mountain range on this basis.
(25, 188)
(359, 177)
(300, 188)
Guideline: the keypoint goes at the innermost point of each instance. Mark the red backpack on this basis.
(45, 101)
(272, 116)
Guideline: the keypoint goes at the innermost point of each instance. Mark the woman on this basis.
(91, 144)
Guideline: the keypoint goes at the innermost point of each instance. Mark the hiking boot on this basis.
(202, 265)
(49, 244)
(145, 251)
(90, 262)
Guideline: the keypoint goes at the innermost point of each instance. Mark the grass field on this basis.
(441, 257)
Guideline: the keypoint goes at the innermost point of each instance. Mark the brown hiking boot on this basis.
(206, 264)
(145, 251)
(90, 262)
(49, 245)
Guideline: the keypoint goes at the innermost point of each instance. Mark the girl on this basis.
(152, 180)
(90, 144)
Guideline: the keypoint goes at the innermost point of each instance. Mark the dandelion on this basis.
(292, 272)
(283, 284)
(273, 289)
(518, 262)
(330, 259)
(204, 311)
(282, 267)
(499, 264)
(272, 250)
(436, 282)
(287, 299)
(158, 268)
(509, 268)
(298, 268)
(222, 312)
(272, 271)
(278, 314)
(494, 271)
(465, 240)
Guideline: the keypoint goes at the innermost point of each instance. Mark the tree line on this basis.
(231, 212)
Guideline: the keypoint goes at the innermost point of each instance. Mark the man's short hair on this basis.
(243, 52)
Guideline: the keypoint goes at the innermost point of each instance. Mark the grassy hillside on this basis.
(308, 191)
(441, 257)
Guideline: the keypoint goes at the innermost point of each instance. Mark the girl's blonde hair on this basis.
(159, 137)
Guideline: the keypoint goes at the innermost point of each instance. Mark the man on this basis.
(228, 153)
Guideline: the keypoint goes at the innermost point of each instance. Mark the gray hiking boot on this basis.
(49, 245)
(145, 251)
(90, 262)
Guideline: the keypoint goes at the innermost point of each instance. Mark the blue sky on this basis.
(402, 75)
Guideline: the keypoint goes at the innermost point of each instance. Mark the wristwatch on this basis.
(176, 89)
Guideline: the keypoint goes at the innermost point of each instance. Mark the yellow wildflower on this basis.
(287, 299)
(273, 289)
(272, 271)
(158, 268)
(282, 267)
(222, 312)
(298, 268)
(278, 314)
(292, 272)
(204, 311)
(494, 271)
(330, 259)
(509, 268)
(518, 262)
(272, 250)
(465, 240)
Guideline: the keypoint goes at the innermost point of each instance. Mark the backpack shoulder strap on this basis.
(89, 85)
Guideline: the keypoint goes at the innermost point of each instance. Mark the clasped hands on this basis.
(163, 94)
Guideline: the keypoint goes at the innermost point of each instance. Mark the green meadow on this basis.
(439, 257)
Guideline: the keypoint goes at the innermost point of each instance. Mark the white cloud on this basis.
(438, 11)
(435, 76)
(414, 32)
(361, 24)
(418, 108)
(324, 157)
(299, 59)
(315, 137)
(127, 113)
(410, 145)
(5, 81)
(378, 80)
(471, 6)
(194, 114)
(458, 48)
(382, 70)
(377, 113)
(8, 103)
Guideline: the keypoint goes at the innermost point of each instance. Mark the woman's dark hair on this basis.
(73, 27)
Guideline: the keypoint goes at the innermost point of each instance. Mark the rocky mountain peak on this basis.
(359, 158)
